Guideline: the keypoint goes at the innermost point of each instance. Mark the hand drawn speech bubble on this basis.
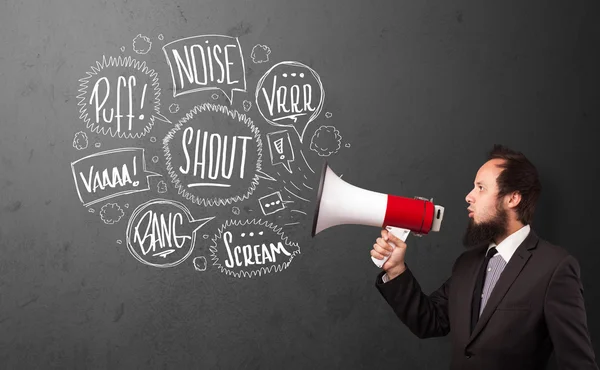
(120, 97)
(214, 155)
(280, 148)
(206, 62)
(290, 94)
(251, 248)
(162, 233)
(108, 174)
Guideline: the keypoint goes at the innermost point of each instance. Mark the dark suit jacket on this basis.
(535, 307)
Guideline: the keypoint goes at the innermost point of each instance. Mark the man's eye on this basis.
(480, 187)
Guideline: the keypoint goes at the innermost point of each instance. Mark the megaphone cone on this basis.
(339, 203)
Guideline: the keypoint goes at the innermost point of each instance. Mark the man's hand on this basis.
(394, 266)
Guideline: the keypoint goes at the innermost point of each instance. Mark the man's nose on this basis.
(469, 198)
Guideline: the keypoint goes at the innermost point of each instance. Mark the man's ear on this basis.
(513, 199)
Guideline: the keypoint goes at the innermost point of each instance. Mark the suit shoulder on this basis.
(552, 253)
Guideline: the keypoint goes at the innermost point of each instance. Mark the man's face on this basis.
(488, 217)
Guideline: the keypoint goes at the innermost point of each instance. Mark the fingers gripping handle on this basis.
(401, 234)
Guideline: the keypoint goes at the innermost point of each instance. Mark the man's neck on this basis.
(512, 228)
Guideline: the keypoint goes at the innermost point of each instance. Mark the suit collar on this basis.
(509, 245)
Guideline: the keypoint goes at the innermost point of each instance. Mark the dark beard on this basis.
(486, 232)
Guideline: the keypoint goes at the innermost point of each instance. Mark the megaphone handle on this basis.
(401, 234)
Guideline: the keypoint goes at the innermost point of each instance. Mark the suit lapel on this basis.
(467, 286)
(506, 279)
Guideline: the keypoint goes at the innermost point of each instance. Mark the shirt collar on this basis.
(508, 246)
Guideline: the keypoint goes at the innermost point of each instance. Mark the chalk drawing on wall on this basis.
(162, 233)
(290, 94)
(120, 97)
(251, 248)
(326, 141)
(174, 108)
(161, 187)
(247, 105)
(206, 62)
(280, 149)
(111, 213)
(142, 44)
(260, 53)
(197, 159)
(105, 175)
(200, 263)
(80, 140)
(271, 203)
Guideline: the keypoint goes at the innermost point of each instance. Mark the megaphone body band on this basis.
(407, 213)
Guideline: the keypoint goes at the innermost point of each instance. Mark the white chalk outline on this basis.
(119, 62)
(111, 221)
(190, 218)
(305, 161)
(291, 148)
(336, 132)
(266, 196)
(175, 94)
(146, 39)
(200, 258)
(267, 52)
(78, 134)
(215, 201)
(124, 192)
(263, 270)
(314, 115)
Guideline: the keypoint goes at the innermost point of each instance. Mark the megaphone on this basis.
(340, 203)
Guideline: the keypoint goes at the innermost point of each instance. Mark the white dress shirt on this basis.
(505, 249)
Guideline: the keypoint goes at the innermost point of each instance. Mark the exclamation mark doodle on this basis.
(135, 183)
(142, 103)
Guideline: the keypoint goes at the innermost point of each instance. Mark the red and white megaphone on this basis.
(340, 203)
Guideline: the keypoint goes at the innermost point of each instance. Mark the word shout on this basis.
(213, 156)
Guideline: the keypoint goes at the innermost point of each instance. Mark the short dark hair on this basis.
(519, 175)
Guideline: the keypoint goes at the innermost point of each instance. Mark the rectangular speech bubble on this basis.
(111, 173)
(206, 62)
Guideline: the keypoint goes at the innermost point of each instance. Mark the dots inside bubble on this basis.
(260, 233)
(284, 75)
(301, 75)
(141, 116)
(282, 156)
(251, 234)
(277, 202)
(243, 234)
(267, 205)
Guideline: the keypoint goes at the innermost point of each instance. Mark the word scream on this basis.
(247, 255)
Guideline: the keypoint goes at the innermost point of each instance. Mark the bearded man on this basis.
(512, 298)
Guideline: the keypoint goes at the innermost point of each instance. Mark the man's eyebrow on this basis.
(479, 183)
